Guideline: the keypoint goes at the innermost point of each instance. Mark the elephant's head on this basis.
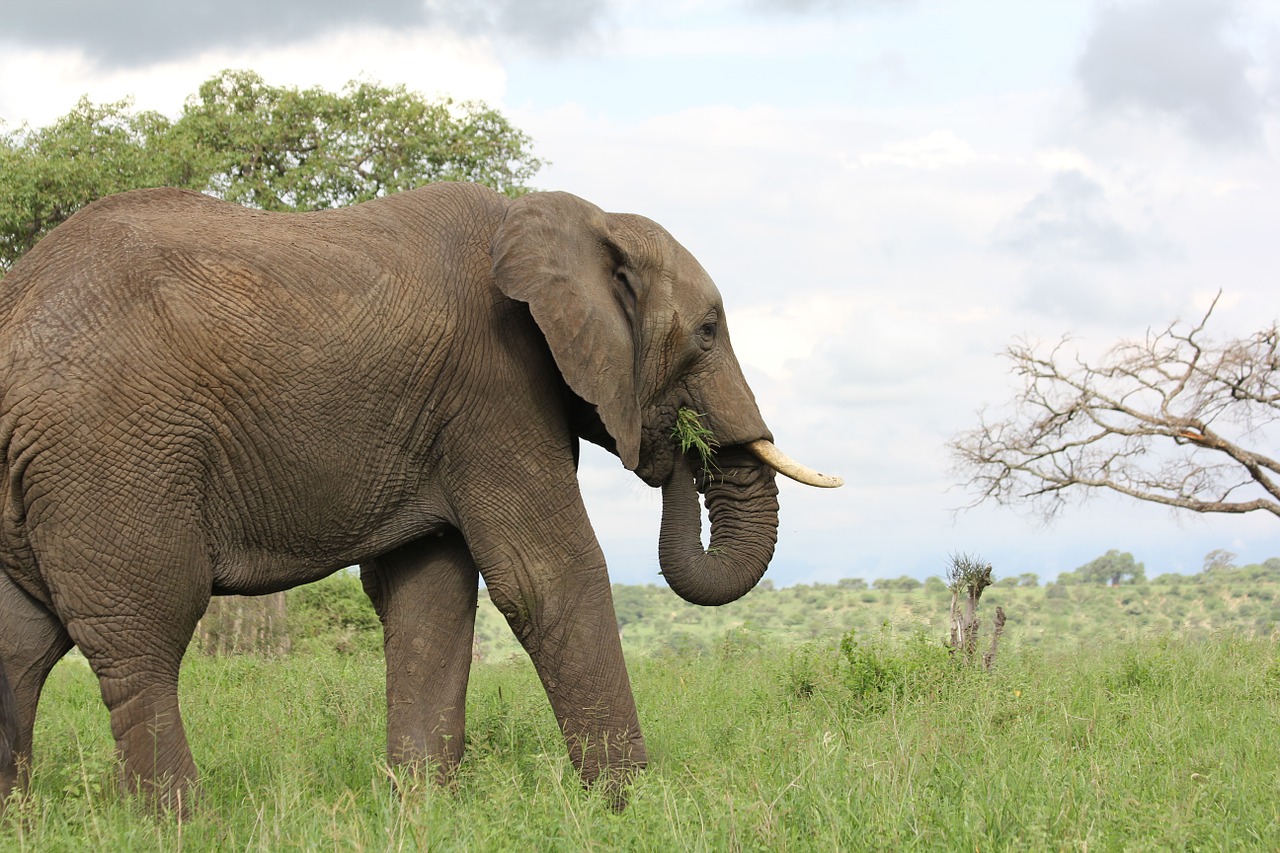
(638, 330)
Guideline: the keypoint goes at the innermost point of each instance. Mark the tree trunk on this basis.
(989, 658)
(965, 622)
(236, 624)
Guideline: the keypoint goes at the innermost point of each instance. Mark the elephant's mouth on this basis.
(658, 453)
(657, 447)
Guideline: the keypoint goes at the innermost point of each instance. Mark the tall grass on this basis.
(870, 741)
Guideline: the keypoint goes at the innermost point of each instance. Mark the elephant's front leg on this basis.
(545, 572)
(425, 595)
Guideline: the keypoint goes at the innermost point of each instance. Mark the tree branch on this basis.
(1175, 419)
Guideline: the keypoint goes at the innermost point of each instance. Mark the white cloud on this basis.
(1070, 222)
(1175, 60)
(434, 63)
(937, 150)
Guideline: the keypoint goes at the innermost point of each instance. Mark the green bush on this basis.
(335, 613)
(880, 669)
(1056, 590)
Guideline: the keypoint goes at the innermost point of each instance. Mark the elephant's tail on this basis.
(8, 737)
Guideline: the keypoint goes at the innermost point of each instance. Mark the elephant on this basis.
(198, 399)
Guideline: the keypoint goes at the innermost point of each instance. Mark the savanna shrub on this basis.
(878, 670)
(803, 674)
(1056, 590)
(335, 613)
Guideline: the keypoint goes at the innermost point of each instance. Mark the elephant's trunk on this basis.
(742, 501)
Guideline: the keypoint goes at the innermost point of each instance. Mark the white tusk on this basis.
(770, 455)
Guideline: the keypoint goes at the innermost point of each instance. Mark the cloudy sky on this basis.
(886, 191)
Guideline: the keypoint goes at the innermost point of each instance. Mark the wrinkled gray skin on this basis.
(198, 399)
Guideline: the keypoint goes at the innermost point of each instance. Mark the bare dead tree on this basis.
(997, 631)
(1175, 419)
(967, 577)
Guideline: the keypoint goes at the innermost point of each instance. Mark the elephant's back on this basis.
(99, 265)
(168, 267)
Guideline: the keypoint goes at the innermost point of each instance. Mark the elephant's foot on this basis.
(164, 792)
(152, 744)
(425, 593)
(163, 796)
(409, 774)
(612, 772)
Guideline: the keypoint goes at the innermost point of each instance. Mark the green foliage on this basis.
(904, 583)
(271, 147)
(628, 604)
(965, 573)
(1112, 568)
(1219, 560)
(653, 620)
(691, 434)
(281, 148)
(94, 150)
(334, 613)
(879, 670)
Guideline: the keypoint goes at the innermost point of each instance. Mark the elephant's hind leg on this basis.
(132, 611)
(8, 737)
(137, 668)
(32, 640)
(425, 595)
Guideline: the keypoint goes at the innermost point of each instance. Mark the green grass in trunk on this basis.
(691, 434)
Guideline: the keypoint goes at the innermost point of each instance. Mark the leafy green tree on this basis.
(630, 603)
(280, 148)
(1112, 568)
(270, 147)
(1218, 560)
(1268, 569)
(906, 583)
(94, 150)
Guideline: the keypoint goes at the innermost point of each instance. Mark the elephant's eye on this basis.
(707, 334)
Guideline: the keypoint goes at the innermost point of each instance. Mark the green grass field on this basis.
(865, 740)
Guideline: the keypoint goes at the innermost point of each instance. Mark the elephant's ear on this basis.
(554, 252)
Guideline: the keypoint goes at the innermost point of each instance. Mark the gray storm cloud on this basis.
(131, 33)
(1068, 221)
(822, 6)
(1174, 59)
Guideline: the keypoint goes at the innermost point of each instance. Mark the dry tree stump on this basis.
(236, 624)
(967, 577)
